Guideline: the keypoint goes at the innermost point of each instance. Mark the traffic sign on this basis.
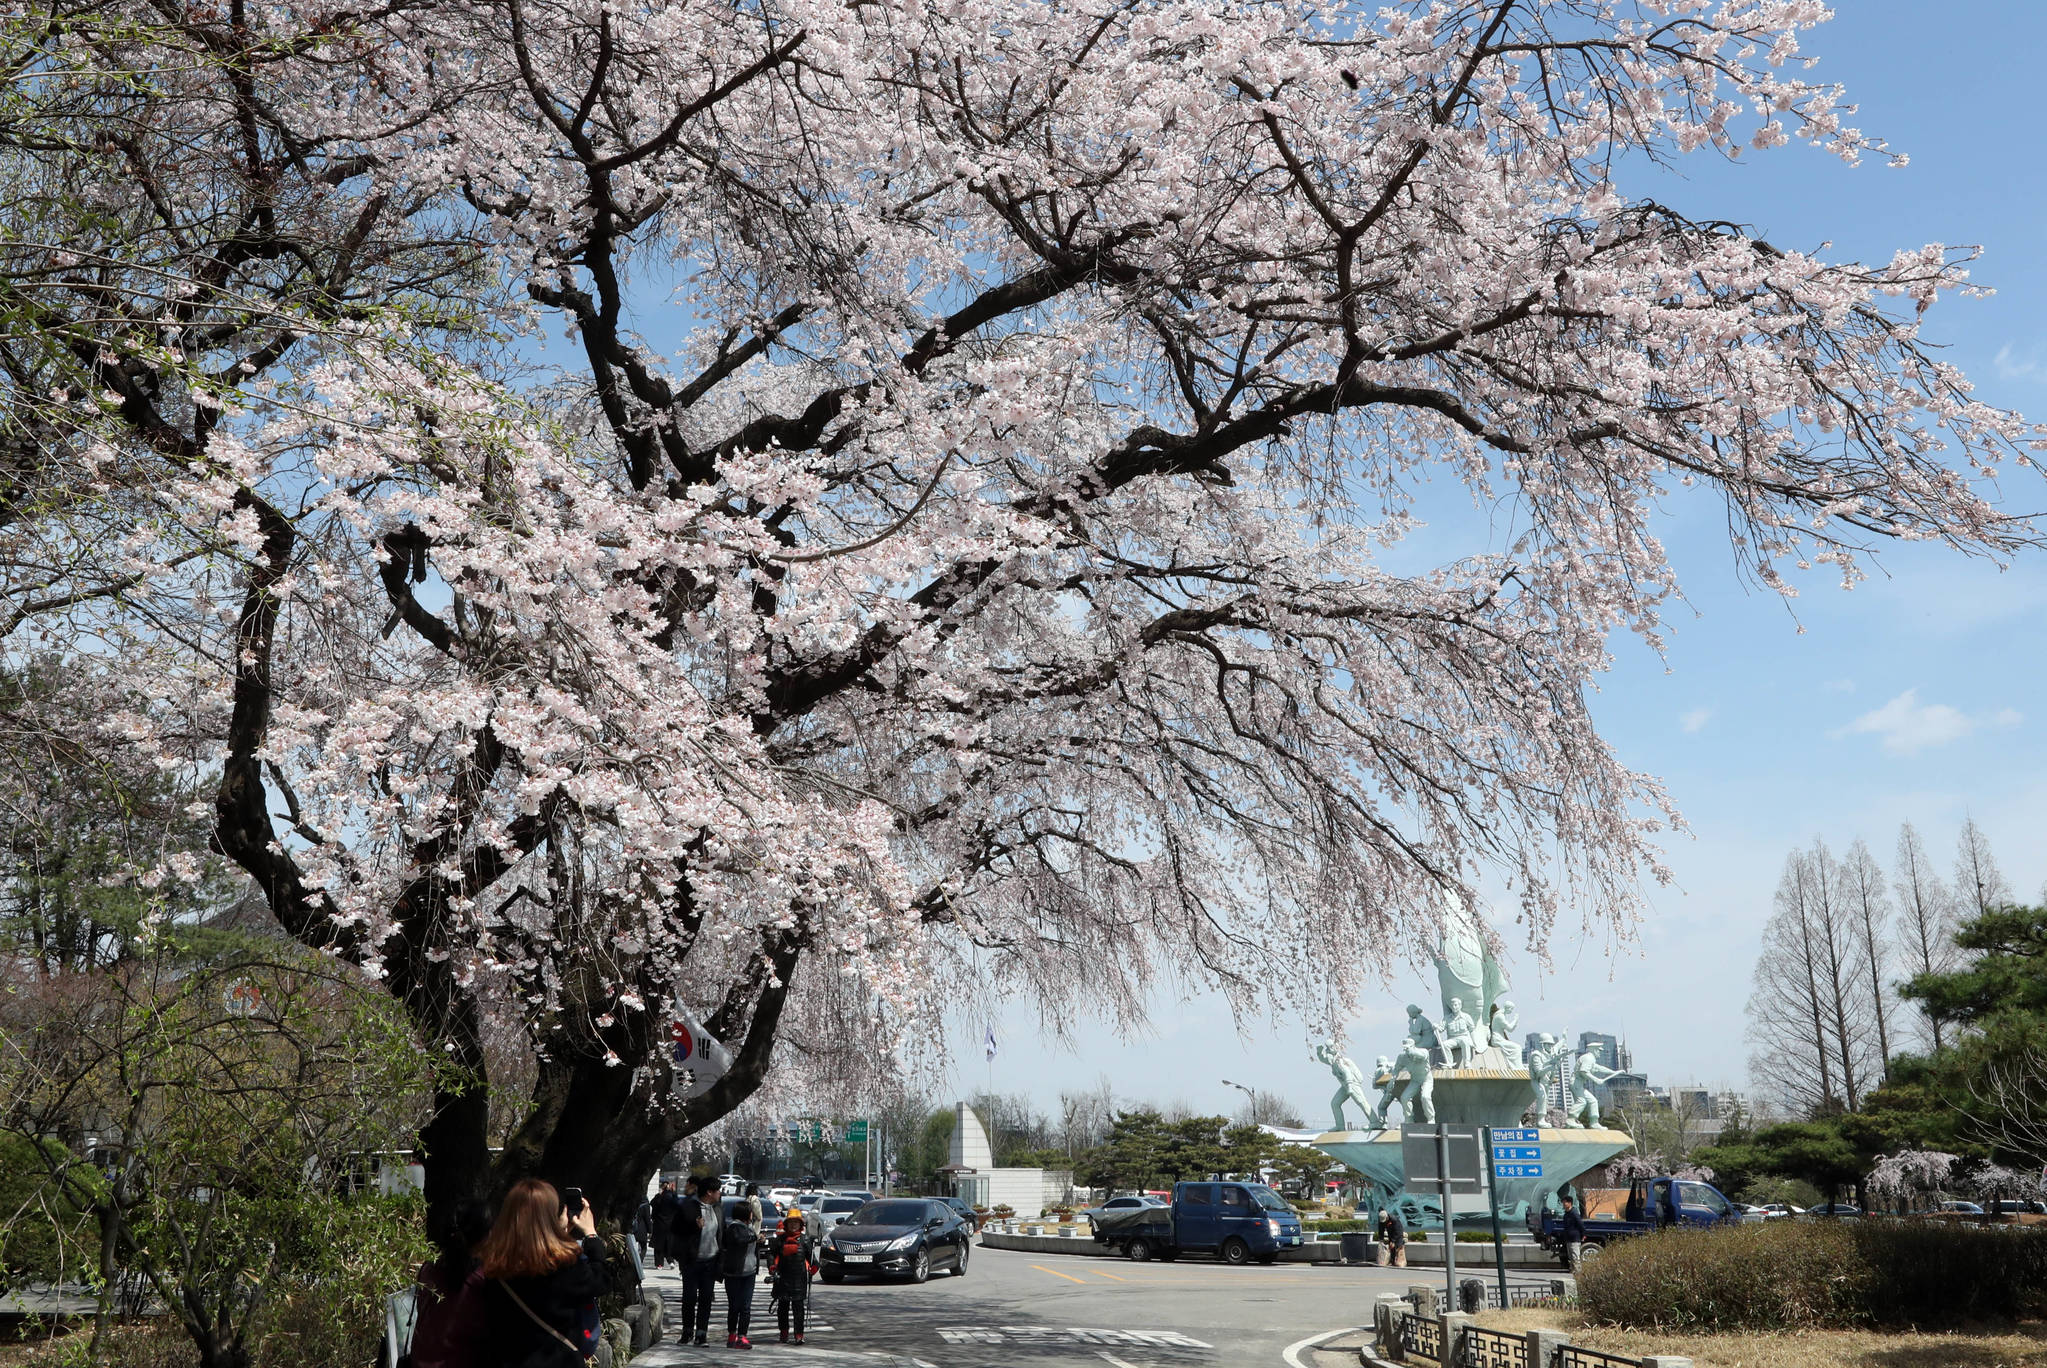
(1518, 1170)
(1514, 1153)
(1419, 1157)
(1516, 1135)
(856, 1132)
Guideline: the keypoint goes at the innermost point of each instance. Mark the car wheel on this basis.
(1139, 1251)
(830, 1275)
(959, 1270)
(1235, 1251)
(920, 1271)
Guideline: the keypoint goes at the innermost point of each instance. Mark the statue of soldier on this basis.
(1350, 1083)
(1585, 1103)
(1418, 1098)
(1542, 1060)
(1505, 1022)
(1460, 1036)
(1421, 1030)
(1376, 1113)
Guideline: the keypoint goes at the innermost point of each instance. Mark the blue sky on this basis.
(1915, 697)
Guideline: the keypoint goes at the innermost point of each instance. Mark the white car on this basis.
(1776, 1211)
(785, 1196)
(831, 1209)
(731, 1185)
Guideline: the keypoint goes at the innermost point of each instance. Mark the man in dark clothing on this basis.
(661, 1222)
(1392, 1239)
(1571, 1228)
(696, 1253)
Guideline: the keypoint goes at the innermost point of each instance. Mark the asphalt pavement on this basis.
(1063, 1311)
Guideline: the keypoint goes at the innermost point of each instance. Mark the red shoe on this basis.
(785, 1337)
(799, 1338)
(745, 1343)
(732, 1341)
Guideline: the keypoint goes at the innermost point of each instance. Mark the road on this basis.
(1060, 1311)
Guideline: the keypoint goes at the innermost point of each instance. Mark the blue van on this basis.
(1237, 1222)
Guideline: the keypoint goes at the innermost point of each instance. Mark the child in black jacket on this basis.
(791, 1261)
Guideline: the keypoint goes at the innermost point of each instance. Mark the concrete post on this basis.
(1454, 1324)
(1543, 1346)
(1386, 1314)
(1423, 1299)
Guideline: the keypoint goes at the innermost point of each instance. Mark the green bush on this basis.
(47, 1234)
(1795, 1275)
(1937, 1272)
(340, 1257)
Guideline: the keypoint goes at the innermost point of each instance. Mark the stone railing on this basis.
(1415, 1330)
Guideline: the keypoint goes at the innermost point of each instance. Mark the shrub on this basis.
(1793, 1275)
(1932, 1273)
(1784, 1275)
(47, 1233)
(340, 1258)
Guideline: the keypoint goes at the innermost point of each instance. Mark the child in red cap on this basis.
(791, 1261)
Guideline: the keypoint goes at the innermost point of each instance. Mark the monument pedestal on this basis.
(1566, 1153)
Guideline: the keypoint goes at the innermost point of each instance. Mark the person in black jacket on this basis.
(1571, 1230)
(543, 1269)
(698, 1255)
(791, 1261)
(661, 1214)
(740, 1243)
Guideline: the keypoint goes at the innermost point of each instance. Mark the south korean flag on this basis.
(700, 1058)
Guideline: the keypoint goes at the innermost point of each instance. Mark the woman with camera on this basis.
(544, 1267)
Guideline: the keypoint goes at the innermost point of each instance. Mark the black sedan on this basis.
(905, 1237)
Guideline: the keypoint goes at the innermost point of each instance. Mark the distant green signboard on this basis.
(856, 1132)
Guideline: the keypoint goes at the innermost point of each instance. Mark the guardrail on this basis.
(1411, 1330)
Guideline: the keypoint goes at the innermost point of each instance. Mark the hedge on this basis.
(1793, 1275)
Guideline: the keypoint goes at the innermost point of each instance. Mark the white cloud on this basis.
(2014, 366)
(1907, 725)
(1695, 720)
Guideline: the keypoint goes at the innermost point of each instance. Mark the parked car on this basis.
(965, 1210)
(2012, 1208)
(1751, 1212)
(907, 1237)
(1962, 1208)
(1115, 1204)
(831, 1209)
(1843, 1209)
(1237, 1222)
(1778, 1211)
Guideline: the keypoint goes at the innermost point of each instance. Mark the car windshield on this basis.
(838, 1204)
(890, 1214)
(1270, 1200)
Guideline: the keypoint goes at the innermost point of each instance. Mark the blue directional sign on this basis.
(1513, 1153)
(1518, 1170)
(1516, 1135)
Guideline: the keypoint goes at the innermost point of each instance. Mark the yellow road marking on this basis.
(1105, 1273)
(1057, 1274)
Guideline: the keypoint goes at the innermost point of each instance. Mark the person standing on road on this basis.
(1392, 1238)
(1571, 1229)
(741, 1262)
(696, 1253)
(544, 1270)
(661, 1223)
(792, 1259)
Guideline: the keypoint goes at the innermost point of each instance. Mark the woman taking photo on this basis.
(545, 1270)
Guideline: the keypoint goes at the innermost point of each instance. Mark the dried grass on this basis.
(2021, 1346)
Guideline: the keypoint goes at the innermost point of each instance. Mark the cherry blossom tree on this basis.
(798, 514)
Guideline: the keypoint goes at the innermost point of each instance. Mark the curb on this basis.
(1087, 1248)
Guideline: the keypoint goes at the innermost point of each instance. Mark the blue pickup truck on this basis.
(1647, 1204)
(1237, 1222)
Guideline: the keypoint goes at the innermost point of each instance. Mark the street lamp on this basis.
(1250, 1096)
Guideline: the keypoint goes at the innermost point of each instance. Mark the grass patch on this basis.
(2019, 1346)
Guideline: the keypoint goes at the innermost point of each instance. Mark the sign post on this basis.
(1448, 1159)
(1513, 1152)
